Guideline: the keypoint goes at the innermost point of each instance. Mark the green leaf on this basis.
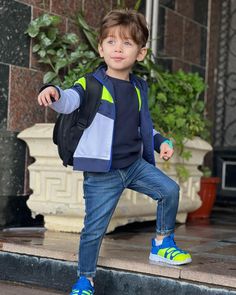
(55, 20)
(52, 34)
(186, 155)
(61, 64)
(170, 119)
(48, 77)
(36, 48)
(51, 52)
(180, 122)
(76, 55)
(46, 20)
(180, 110)
(92, 40)
(46, 42)
(182, 172)
(33, 29)
(161, 96)
(89, 32)
(82, 47)
(89, 54)
(137, 5)
(60, 53)
(70, 38)
(45, 60)
(42, 53)
(83, 23)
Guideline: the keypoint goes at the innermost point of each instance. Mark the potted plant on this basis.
(207, 193)
(176, 106)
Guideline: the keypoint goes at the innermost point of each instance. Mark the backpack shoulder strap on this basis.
(91, 102)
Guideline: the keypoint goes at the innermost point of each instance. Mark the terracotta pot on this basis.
(208, 195)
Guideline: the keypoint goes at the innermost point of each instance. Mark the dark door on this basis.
(225, 119)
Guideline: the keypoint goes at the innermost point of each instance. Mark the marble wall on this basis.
(182, 40)
(14, 52)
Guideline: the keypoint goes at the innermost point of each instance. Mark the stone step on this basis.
(61, 274)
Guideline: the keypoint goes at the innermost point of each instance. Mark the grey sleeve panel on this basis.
(68, 102)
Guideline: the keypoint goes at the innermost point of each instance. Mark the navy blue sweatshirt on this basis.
(126, 139)
(126, 147)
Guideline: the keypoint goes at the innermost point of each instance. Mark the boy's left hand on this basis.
(166, 152)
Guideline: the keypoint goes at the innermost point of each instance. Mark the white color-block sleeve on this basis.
(155, 132)
(69, 101)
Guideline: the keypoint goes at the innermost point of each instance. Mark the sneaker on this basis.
(82, 287)
(168, 252)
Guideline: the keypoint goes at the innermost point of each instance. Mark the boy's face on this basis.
(120, 52)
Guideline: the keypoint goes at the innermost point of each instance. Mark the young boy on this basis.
(117, 150)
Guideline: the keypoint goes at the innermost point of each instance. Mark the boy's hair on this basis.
(131, 20)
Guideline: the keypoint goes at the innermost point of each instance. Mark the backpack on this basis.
(69, 128)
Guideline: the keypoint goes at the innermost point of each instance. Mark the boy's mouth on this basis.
(117, 58)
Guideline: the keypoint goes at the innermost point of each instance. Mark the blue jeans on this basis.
(102, 192)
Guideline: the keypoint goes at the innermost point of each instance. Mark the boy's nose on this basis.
(118, 47)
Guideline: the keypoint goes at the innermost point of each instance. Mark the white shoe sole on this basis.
(156, 258)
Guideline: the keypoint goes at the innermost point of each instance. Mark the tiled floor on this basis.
(212, 244)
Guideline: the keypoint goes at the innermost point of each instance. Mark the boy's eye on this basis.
(128, 43)
(110, 41)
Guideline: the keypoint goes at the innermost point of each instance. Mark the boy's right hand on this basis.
(47, 96)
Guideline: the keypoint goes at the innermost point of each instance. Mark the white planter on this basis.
(58, 191)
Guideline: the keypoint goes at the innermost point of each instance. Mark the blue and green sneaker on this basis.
(168, 252)
(82, 287)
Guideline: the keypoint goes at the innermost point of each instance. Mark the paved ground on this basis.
(15, 289)
(211, 242)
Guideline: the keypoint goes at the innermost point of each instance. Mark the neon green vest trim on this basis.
(106, 95)
(82, 82)
(139, 98)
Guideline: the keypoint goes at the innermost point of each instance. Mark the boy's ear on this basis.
(142, 54)
(100, 50)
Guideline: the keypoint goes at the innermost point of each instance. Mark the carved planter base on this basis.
(58, 191)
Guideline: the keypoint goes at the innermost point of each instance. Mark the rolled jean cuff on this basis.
(165, 232)
(86, 274)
